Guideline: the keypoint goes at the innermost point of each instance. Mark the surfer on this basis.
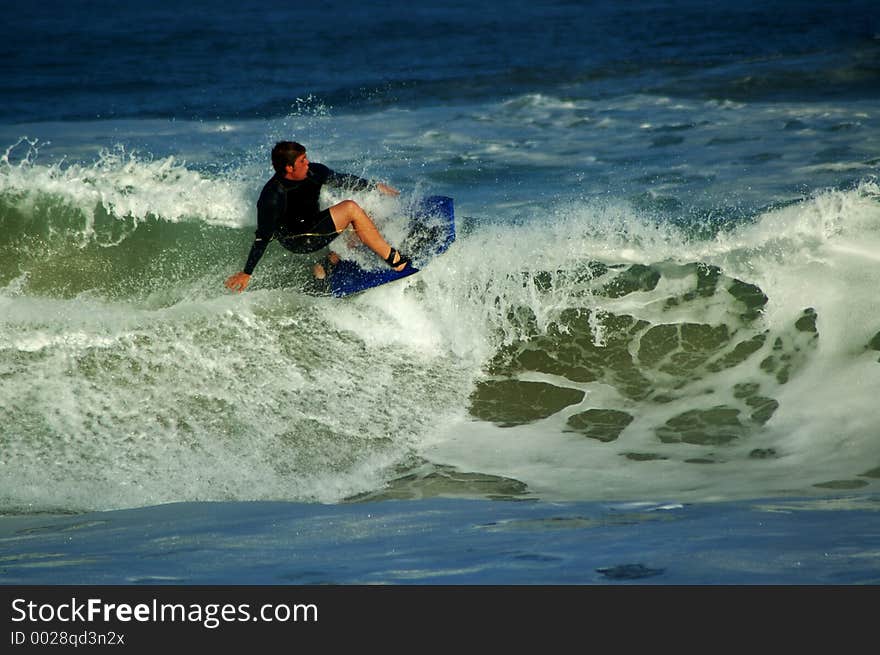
(288, 211)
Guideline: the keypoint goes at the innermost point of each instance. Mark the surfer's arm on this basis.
(269, 209)
(387, 190)
(355, 183)
(240, 280)
(257, 250)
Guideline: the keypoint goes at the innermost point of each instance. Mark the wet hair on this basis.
(285, 153)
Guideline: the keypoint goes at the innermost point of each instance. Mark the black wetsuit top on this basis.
(289, 208)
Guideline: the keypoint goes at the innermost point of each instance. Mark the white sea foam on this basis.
(126, 185)
(180, 391)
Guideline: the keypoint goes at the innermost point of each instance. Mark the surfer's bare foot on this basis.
(396, 260)
(319, 271)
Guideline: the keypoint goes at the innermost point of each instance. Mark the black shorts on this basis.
(319, 232)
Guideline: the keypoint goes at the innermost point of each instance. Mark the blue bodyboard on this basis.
(431, 232)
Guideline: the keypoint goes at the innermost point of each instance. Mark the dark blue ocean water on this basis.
(203, 60)
(662, 295)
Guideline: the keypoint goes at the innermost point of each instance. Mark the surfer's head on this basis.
(285, 153)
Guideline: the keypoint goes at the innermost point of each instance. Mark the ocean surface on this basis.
(652, 354)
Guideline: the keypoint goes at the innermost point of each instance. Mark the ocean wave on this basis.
(119, 183)
(579, 356)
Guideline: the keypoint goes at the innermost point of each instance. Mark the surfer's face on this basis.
(299, 169)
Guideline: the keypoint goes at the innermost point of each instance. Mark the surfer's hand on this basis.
(238, 282)
(387, 190)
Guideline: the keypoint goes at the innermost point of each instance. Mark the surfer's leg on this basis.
(348, 212)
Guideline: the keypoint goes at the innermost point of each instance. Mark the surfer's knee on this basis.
(346, 212)
(351, 209)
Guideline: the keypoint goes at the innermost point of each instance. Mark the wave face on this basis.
(663, 285)
(589, 350)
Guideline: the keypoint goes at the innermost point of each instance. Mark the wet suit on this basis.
(288, 210)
